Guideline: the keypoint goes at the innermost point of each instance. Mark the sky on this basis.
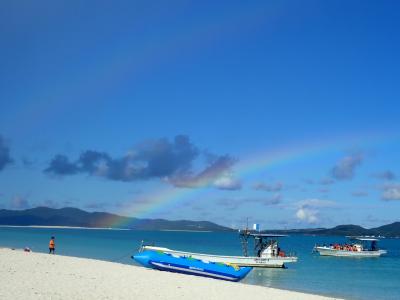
(283, 112)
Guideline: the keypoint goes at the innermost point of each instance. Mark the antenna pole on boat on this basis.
(244, 235)
(141, 246)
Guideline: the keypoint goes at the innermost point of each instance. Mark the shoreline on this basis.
(61, 227)
(175, 230)
(184, 230)
(96, 228)
(34, 275)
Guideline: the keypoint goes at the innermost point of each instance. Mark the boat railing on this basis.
(349, 248)
(285, 254)
(288, 254)
(143, 244)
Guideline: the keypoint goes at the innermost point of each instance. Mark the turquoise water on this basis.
(372, 278)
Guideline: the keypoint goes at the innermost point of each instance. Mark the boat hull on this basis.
(327, 251)
(166, 262)
(242, 261)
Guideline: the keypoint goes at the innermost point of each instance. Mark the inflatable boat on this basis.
(192, 266)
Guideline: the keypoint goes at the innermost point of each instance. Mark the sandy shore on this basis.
(42, 276)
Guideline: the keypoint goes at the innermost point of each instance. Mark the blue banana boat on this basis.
(187, 265)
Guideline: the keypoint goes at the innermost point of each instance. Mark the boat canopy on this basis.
(267, 235)
(362, 238)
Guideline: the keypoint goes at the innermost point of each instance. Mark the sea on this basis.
(349, 278)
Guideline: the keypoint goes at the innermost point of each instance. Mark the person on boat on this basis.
(373, 246)
(52, 245)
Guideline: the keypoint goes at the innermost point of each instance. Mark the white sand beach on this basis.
(27, 275)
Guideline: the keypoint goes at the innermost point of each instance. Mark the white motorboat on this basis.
(359, 247)
(267, 252)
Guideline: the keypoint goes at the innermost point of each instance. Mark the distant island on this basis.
(74, 217)
(390, 230)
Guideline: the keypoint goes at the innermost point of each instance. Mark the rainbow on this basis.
(166, 197)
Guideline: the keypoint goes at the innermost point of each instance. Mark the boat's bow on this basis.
(143, 259)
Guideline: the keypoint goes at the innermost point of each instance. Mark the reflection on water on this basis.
(265, 277)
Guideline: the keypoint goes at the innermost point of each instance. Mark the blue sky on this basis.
(286, 112)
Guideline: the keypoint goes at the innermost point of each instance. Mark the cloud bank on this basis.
(171, 161)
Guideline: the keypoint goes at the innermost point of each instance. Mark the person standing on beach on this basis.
(52, 245)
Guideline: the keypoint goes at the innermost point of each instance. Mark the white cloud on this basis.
(227, 182)
(308, 210)
(391, 192)
(307, 215)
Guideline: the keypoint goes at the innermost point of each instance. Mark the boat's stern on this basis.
(290, 259)
(382, 252)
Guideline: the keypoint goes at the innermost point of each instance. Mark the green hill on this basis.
(68, 216)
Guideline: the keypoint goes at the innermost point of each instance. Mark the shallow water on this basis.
(351, 278)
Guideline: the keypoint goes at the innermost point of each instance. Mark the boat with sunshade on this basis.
(186, 265)
(267, 253)
(357, 247)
